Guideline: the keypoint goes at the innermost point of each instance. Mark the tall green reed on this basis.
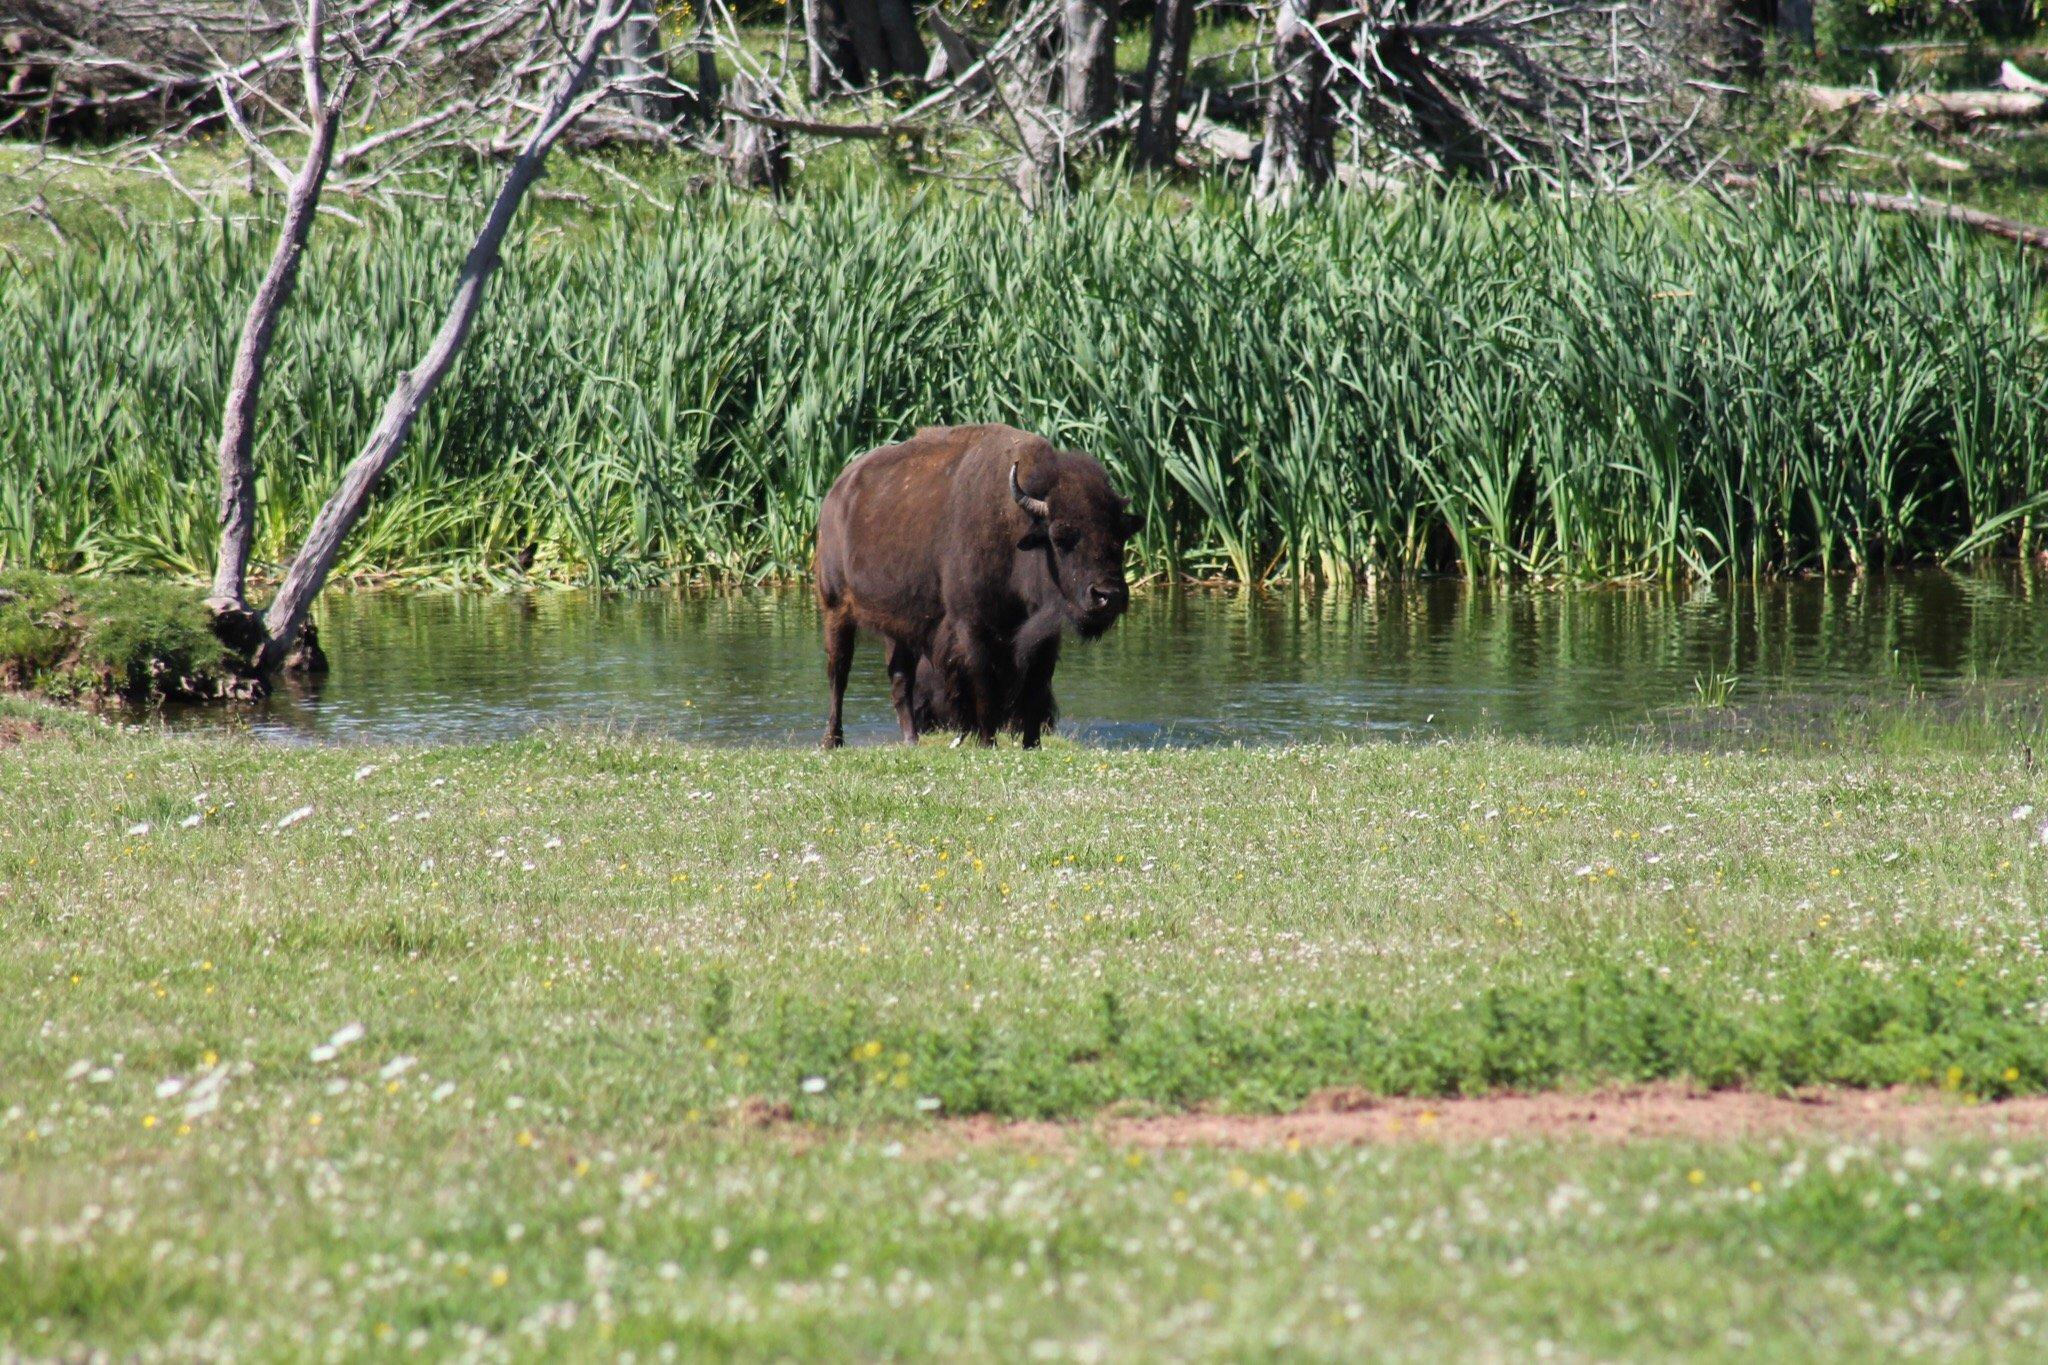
(1664, 387)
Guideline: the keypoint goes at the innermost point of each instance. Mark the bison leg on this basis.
(838, 664)
(968, 667)
(1035, 708)
(903, 662)
(990, 698)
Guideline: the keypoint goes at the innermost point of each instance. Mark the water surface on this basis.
(1185, 667)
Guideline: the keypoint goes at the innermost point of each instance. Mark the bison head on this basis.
(1081, 526)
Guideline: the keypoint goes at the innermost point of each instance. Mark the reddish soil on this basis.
(1344, 1118)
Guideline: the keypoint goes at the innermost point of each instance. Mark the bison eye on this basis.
(1066, 539)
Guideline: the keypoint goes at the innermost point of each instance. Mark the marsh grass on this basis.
(1666, 387)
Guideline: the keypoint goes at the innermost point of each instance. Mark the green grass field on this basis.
(331, 1050)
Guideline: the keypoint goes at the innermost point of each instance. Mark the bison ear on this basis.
(1035, 538)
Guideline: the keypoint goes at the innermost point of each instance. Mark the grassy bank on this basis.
(1665, 386)
(330, 1049)
(83, 638)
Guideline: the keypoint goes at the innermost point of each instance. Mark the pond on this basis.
(1186, 666)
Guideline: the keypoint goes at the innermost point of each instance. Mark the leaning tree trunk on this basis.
(259, 329)
(1166, 72)
(309, 570)
(1088, 64)
(1300, 124)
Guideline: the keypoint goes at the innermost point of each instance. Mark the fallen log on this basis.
(1933, 106)
(2010, 77)
(2012, 230)
(1218, 140)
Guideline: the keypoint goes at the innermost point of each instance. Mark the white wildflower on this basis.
(365, 771)
(137, 830)
(814, 1085)
(293, 817)
(204, 1096)
(342, 1037)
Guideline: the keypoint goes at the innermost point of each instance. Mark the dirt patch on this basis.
(1351, 1118)
(756, 1112)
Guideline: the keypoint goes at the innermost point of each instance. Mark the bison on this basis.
(970, 550)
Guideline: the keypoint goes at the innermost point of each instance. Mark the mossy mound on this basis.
(111, 638)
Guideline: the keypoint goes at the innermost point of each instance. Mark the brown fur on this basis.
(924, 544)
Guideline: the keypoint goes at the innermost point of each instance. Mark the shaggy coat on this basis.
(970, 550)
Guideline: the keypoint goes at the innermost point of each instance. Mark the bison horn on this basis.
(1035, 506)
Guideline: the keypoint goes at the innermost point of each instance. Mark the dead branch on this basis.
(2026, 235)
(1504, 90)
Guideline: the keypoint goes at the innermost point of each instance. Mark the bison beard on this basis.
(971, 550)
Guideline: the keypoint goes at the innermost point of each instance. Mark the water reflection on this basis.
(1186, 667)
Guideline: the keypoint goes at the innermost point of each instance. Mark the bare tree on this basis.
(832, 65)
(756, 149)
(1088, 63)
(309, 570)
(380, 85)
(110, 66)
(1166, 72)
(1795, 21)
(907, 55)
(639, 71)
(855, 43)
(1300, 127)
(324, 108)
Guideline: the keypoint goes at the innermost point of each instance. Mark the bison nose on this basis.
(1100, 597)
